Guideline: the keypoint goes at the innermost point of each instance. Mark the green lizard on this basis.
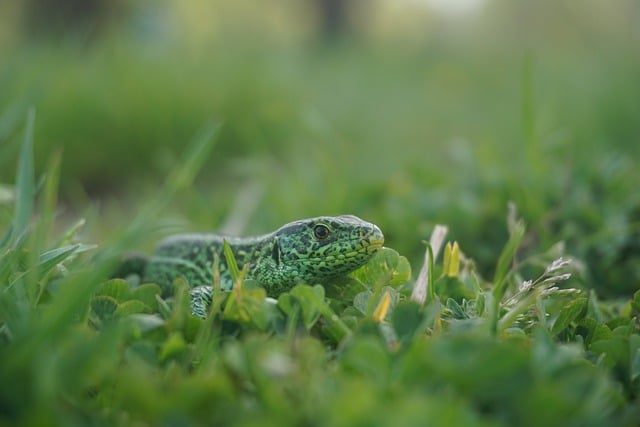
(310, 251)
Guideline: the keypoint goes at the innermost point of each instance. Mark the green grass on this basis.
(523, 143)
(448, 136)
(83, 349)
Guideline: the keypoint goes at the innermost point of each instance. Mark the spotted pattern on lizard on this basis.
(311, 251)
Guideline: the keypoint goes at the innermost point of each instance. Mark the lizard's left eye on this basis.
(321, 231)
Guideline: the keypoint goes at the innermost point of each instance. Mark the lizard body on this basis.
(311, 251)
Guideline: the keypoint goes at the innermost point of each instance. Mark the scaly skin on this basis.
(310, 251)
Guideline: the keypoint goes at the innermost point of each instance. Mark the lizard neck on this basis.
(268, 267)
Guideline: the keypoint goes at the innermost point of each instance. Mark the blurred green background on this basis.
(406, 113)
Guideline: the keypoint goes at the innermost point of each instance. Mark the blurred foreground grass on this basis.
(406, 134)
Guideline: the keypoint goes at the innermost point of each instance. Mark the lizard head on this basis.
(317, 249)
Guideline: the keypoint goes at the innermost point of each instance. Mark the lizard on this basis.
(314, 250)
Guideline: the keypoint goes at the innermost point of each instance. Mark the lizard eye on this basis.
(321, 231)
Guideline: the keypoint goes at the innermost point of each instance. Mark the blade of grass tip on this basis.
(419, 293)
(197, 154)
(181, 177)
(25, 180)
(51, 258)
(230, 258)
(423, 286)
(504, 261)
(49, 200)
(244, 206)
(507, 255)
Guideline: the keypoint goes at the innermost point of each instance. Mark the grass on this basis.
(85, 349)
(526, 312)
(420, 139)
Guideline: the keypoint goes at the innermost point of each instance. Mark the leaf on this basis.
(549, 358)
(147, 322)
(248, 306)
(401, 273)
(173, 346)
(311, 300)
(572, 311)
(132, 307)
(407, 319)
(383, 307)
(386, 267)
(286, 304)
(118, 289)
(480, 303)
(635, 302)
(104, 306)
(53, 257)
(307, 297)
(366, 355)
(343, 289)
(634, 350)
(147, 294)
(456, 310)
(163, 307)
(614, 350)
(600, 332)
(361, 301)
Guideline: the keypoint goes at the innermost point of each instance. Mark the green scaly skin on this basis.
(310, 251)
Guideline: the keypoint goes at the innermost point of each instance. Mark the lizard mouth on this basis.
(375, 243)
(367, 249)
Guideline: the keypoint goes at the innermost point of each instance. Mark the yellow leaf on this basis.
(382, 308)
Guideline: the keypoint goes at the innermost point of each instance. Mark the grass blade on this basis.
(25, 180)
(49, 199)
(196, 155)
(423, 287)
(504, 261)
(232, 265)
(181, 178)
